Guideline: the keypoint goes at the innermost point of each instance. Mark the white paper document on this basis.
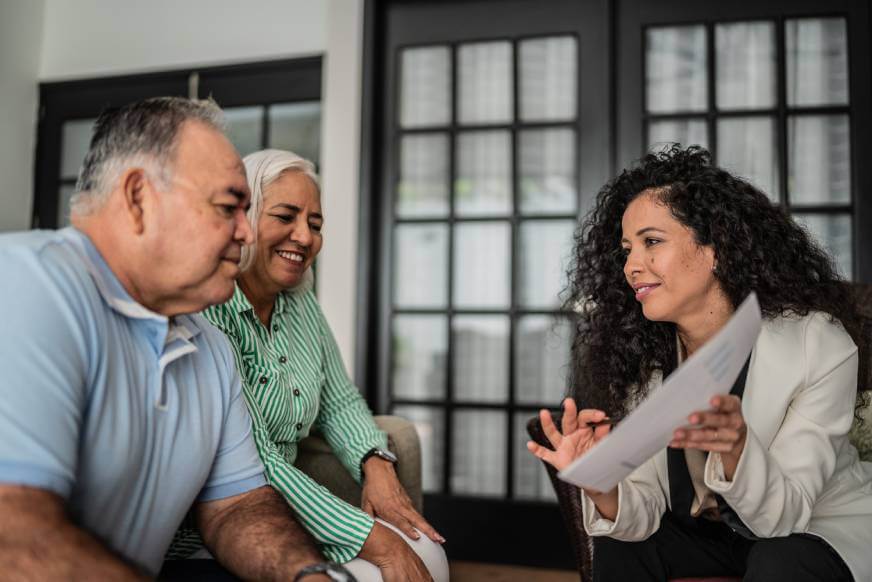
(711, 370)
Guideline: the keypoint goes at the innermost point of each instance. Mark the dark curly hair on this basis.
(757, 247)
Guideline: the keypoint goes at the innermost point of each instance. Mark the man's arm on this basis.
(38, 542)
(255, 536)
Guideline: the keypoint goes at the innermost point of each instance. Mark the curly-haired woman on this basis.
(764, 484)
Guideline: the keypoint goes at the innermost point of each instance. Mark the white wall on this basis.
(340, 149)
(20, 46)
(89, 38)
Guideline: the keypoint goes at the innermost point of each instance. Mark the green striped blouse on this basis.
(294, 380)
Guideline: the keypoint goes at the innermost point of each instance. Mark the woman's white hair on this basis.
(262, 169)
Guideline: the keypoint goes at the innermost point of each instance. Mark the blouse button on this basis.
(296, 391)
(263, 380)
(275, 327)
(299, 426)
(282, 360)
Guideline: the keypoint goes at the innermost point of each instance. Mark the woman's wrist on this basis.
(375, 467)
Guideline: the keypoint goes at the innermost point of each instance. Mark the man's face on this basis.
(197, 225)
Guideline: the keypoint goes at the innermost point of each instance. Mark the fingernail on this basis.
(441, 539)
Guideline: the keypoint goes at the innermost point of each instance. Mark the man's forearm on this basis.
(258, 537)
(38, 542)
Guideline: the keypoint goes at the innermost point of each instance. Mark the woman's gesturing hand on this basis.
(575, 437)
(721, 430)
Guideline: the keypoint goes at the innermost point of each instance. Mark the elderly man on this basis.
(119, 409)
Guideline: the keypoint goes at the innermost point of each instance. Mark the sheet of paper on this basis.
(711, 370)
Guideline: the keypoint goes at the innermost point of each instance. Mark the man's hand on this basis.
(255, 536)
(393, 556)
(383, 496)
(38, 542)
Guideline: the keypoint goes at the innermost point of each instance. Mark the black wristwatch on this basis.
(333, 571)
(381, 454)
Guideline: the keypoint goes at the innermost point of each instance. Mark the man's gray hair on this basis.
(262, 169)
(142, 134)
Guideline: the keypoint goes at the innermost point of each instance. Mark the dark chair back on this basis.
(569, 500)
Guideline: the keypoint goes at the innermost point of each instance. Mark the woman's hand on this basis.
(575, 437)
(383, 496)
(721, 430)
(393, 556)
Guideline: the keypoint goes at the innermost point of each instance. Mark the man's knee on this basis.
(795, 558)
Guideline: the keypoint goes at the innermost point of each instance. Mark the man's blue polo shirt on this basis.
(127, 415)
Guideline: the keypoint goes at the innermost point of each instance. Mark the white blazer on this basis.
(798, 472)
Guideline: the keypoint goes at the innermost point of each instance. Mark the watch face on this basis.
(386, 455)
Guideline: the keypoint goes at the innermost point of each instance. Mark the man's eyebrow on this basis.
(295, 208)
(241, 195)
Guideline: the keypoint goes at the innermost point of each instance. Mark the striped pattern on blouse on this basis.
(294, 380)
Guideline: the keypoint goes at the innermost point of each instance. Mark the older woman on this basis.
(764, 484)
(294, 380)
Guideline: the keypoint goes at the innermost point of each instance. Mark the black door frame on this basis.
(478, 528)
(634, 16)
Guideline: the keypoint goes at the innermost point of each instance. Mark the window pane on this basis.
(746, 147)
(746, 73)
(675, 69)
(245, 128)
(819, 159)
(481, 357)
(687, 132)
(478, 452)
(423, 187)
(425, 92)
(430, 424)
(531, 479)
(547, 172)
(548, 78)
(817, 61)
(64, 195)
(484, 174)
(546, 246)
(542, 359)
(421, 268)
(481, 264)
(75, 139)
(296, 127)
(420, 345)
(485, 79)
(834, 234)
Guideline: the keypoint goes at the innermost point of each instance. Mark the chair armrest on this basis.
(316, 459)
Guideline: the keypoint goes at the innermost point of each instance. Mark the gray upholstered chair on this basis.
(316, 459)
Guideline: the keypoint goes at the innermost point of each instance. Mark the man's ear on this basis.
(135, 186)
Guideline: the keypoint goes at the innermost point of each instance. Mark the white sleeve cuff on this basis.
(594, 523)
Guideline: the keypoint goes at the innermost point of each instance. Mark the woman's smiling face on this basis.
(670, 273)
(288, 230)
